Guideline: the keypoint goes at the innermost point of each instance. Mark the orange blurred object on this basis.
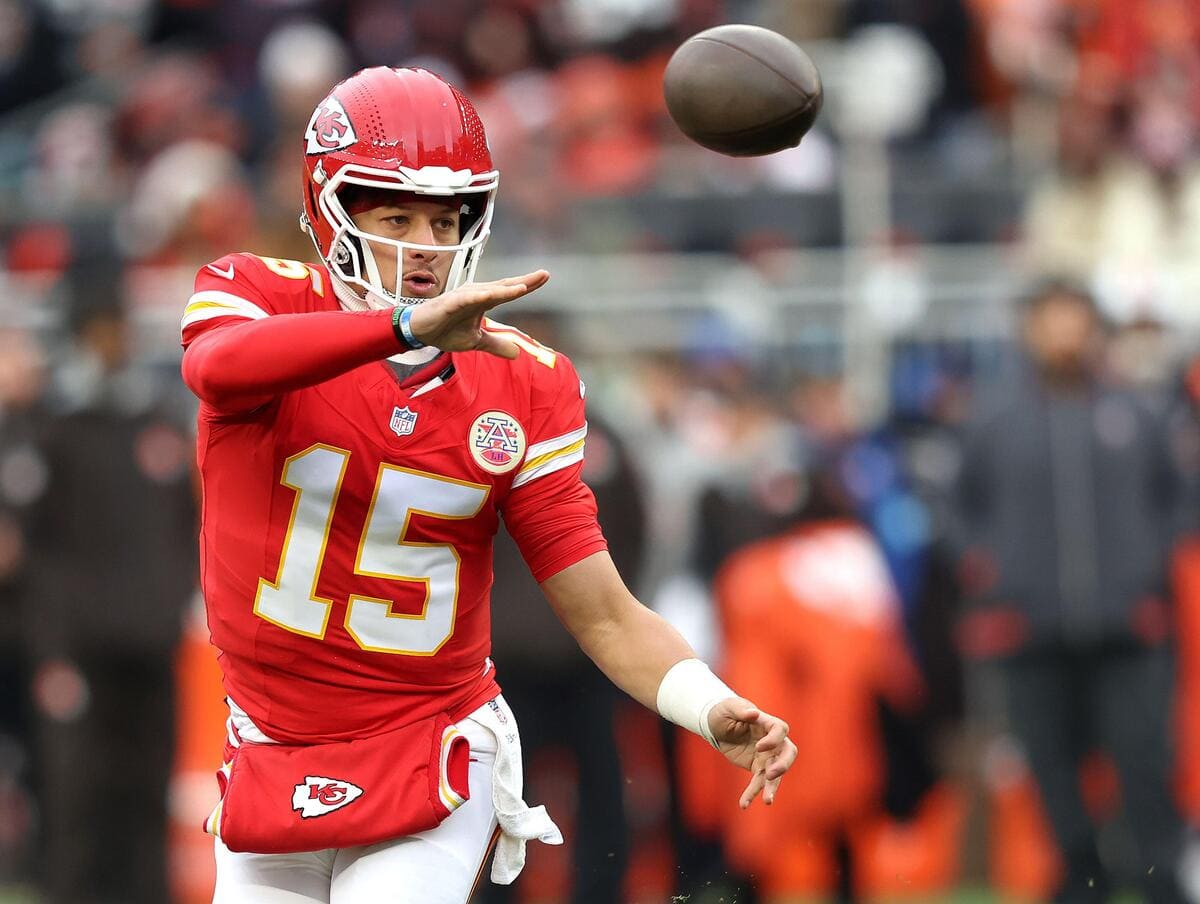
(1186, 577)
(1023, 860)
(200, 725)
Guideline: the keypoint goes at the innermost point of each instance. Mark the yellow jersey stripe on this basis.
(532, 463)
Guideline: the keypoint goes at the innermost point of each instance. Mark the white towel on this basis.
(519, 822)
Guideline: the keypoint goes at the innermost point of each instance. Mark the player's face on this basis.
(422, 222)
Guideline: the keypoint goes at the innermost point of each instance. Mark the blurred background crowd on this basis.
(899, 427)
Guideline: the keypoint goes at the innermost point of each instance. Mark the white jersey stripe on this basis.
(549, 465)
(532, 464)
(554, 444)
(209, 304)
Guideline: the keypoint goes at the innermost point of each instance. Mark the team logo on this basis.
(329, 129)
(495, 707)
(497, 442)
(317, 795)
(404, 420)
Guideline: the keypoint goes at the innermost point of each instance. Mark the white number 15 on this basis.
(291, 601)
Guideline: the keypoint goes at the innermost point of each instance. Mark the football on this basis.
(742, 90)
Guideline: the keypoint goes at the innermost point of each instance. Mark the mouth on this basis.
(420, 284)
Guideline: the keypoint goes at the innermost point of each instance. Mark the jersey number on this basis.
(294, 270)
(291, 601)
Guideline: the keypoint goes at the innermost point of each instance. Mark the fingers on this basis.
(487, 295)
(745, 711)
(757, 781)
(736, 709)
(777, 730)
(532, 281)
(478, 298)
(496, 344)
(782, 761)
(770, 789)
(768, 772)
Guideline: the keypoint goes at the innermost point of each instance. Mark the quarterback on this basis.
(363, 427)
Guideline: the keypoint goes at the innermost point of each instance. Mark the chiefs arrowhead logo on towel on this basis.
(317, 795)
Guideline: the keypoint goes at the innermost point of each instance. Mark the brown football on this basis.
(742, 90)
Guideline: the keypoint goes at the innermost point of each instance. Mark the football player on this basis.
(362, 428)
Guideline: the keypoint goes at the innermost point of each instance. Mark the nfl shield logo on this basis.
(403, 421)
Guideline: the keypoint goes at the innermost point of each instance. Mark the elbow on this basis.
(201, 375)
(208, 371)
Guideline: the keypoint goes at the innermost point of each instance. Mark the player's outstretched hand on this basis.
(454, 321)
(754, 740)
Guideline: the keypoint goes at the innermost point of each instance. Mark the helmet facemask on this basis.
(351, 260)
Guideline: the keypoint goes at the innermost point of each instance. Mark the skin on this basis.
(1062, 335)
(631, 644)
(422, 222)
(452, 321)
(635, 647)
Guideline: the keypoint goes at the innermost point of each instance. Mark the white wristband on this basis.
(688, 693)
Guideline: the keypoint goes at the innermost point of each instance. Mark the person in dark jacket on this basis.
(112, 568)
(1069, 500)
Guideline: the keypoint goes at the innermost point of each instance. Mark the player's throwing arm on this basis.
(650, 660)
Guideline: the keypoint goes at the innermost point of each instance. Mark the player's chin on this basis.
(407, 299)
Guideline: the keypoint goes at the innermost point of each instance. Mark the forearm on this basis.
(649, 660)
(635, 650)
(632, 645)
(246, 364)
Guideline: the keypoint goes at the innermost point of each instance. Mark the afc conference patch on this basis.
(404, 420)
(497, 442)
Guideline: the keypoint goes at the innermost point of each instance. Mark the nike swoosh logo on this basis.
(227, 272)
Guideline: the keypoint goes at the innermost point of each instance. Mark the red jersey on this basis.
(347, 527)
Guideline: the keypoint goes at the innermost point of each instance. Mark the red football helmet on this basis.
(405, 130)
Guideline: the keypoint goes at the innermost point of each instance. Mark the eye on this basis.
(446, 223)
(398, 220)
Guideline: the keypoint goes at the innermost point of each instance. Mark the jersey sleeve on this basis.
(227, 290)
(550, 511)
(250, 333)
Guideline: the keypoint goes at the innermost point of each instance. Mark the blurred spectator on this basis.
(545, 671)
(175, 98)
(752, 490)
(29, 62)
(1069, 497)
(22, 481)
(812, 621)
(297, 64)
(945, 25)
(381, 33)
(191, 201)
(75, 172)
(112, 567)
(1127, 222)
(760, 485)
(1075, 214)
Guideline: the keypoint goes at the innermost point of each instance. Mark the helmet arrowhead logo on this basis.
(317, 795)
(329, 129)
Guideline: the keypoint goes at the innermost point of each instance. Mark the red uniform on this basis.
(347, 529)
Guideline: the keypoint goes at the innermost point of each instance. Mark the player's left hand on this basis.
(454, 321)
(754, 740)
